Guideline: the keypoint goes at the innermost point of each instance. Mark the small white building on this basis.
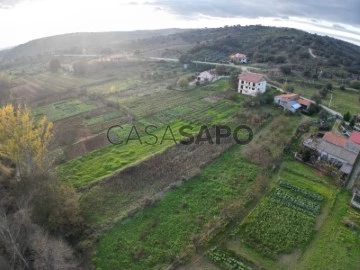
(251, 84)
(239, 58)
(207, 76)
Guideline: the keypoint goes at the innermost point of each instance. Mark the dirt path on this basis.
(311, 53)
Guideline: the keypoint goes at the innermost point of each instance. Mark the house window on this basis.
(242, 82)
(242, 87)
(253, 84)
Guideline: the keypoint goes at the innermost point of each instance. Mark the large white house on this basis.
(251, 84)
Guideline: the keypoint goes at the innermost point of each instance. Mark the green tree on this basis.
(183, 83)
(234, 80)
(221, 70)
(347, 117)
(54, 65)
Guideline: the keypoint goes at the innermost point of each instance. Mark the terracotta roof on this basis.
(238, 55)
(251, 77)
(355, 137)
(334, 139)
(288, 96)
(304, 102)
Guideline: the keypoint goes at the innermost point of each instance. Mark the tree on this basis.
(54, 65)
(234, 80)
(5, 85)
(347, 117)
(329, 86)
(221, 70)
(317, 98)
(183, 83)
(24, 141)
(80, 68)
(286, 69)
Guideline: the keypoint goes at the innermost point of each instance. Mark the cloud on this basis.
(6, 4)
(346, 11)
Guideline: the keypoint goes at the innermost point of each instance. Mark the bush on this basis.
(347, 117)
(183, 83)
(355, 84)
(286, 70)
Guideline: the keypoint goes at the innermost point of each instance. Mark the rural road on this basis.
(242, 67)
(311, 53)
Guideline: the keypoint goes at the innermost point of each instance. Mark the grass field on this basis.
(155, 236)
(335, 246)
(63, 109)
(342, 101)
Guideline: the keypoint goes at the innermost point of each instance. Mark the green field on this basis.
(325, 240)
(274, 228)
(63, 109)
(155, 236)
(187, 107)
(341, 101)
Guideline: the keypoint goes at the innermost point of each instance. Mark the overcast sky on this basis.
(24, 20)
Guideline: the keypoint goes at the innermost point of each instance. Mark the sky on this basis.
(25, 20)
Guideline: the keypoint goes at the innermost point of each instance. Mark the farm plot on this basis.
(63, 109)
(281, 222)
(155, 236)
(116, 86)
(103, 162)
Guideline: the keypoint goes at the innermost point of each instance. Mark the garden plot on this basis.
(283, 221)
(63, 109)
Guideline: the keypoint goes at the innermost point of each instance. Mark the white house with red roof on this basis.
(239, 58)
(207, 76)
(251, 84)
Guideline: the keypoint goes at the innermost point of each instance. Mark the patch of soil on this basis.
(289, 259)
(85, 145)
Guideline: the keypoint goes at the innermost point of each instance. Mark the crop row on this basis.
(274, 229)
(298, 202)
(226, 260)
(304, 192)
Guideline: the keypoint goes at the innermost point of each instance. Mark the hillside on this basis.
(79, 43)
(301, 51)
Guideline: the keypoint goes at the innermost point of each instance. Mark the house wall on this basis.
(251, 89)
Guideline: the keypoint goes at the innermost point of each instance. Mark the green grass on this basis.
(103, 118)
(63, 109)
(116, 86)
(335, 246)
(342, 101)
(107, 160)
(156, 235)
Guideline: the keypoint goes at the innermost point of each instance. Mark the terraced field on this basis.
(63, 109)
(175, 108)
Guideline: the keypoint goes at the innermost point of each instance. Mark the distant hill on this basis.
(79, 43)
(302, 51)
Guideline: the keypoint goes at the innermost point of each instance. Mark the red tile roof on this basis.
(334, 139)
(304, 102)
(355, 137)
(238, 55)
(289, 96)
(251, 77)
